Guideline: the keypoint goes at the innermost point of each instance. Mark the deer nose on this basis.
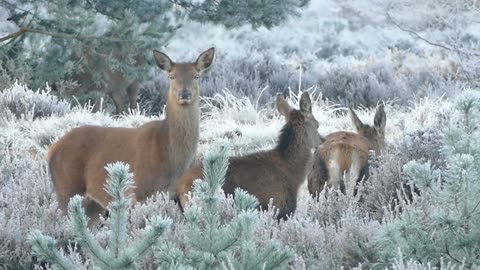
(185, 94)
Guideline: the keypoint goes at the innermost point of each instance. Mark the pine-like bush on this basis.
(211, 242)
(120, 253)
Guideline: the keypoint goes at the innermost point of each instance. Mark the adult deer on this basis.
(158, 152)
(342, 160)
(276, 173)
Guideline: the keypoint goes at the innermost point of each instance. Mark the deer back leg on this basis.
(132, 94)
(119, 101)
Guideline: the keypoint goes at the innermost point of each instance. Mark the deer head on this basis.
(184, 77)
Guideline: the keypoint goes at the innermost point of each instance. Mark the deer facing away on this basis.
(276, 173)
(346, 154)
(158, 152)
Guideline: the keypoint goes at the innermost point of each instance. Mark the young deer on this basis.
(158, 152)
(276, 173)
(346, 153)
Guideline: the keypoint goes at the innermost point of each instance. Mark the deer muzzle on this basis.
(184, 97)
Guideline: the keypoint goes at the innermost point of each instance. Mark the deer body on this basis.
(277, 173)
(342, 160)
(158, 152)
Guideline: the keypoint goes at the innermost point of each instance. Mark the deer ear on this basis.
(380, 119)
(283, 107)
(356, 121)
(205, 59)
(305, 103)
(162, 60)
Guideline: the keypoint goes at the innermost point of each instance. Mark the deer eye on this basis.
(171, 77)
(197, 76)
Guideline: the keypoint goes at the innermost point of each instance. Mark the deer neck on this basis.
(299, 157)
(296, 153)
(183, 132)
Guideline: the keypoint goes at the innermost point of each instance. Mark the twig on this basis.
(415, 34)
(450, 255)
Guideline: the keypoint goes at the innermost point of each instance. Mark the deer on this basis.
(117, 86)
(346, 154)
(276, 173)
(158, 152)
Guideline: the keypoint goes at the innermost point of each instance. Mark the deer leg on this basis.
(65, 190)
(335, 176)
(63, 198)
(318, 176)
(119, 101)
(93, 210)
(355, 173)
(132, 93)
(350, 181)
(98, 106)
(183, 201)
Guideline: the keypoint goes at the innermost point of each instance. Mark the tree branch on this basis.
(14, 35)
(191, 6)
(24, 30)
(416, 35)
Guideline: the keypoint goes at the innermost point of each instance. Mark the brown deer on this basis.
(117, 86)
(346, 154)
(276, 173)
(158, 152)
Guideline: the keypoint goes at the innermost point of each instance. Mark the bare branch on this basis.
(416, 35)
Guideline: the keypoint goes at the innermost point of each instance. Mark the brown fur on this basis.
(158, 152)
(346, 153)
(276, 173)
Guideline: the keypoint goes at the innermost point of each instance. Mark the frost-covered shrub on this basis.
(424, 146)
(324, 245)
(19, 101)
(27, 201)
(370, 83)
(439, 222)
(14, 70)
